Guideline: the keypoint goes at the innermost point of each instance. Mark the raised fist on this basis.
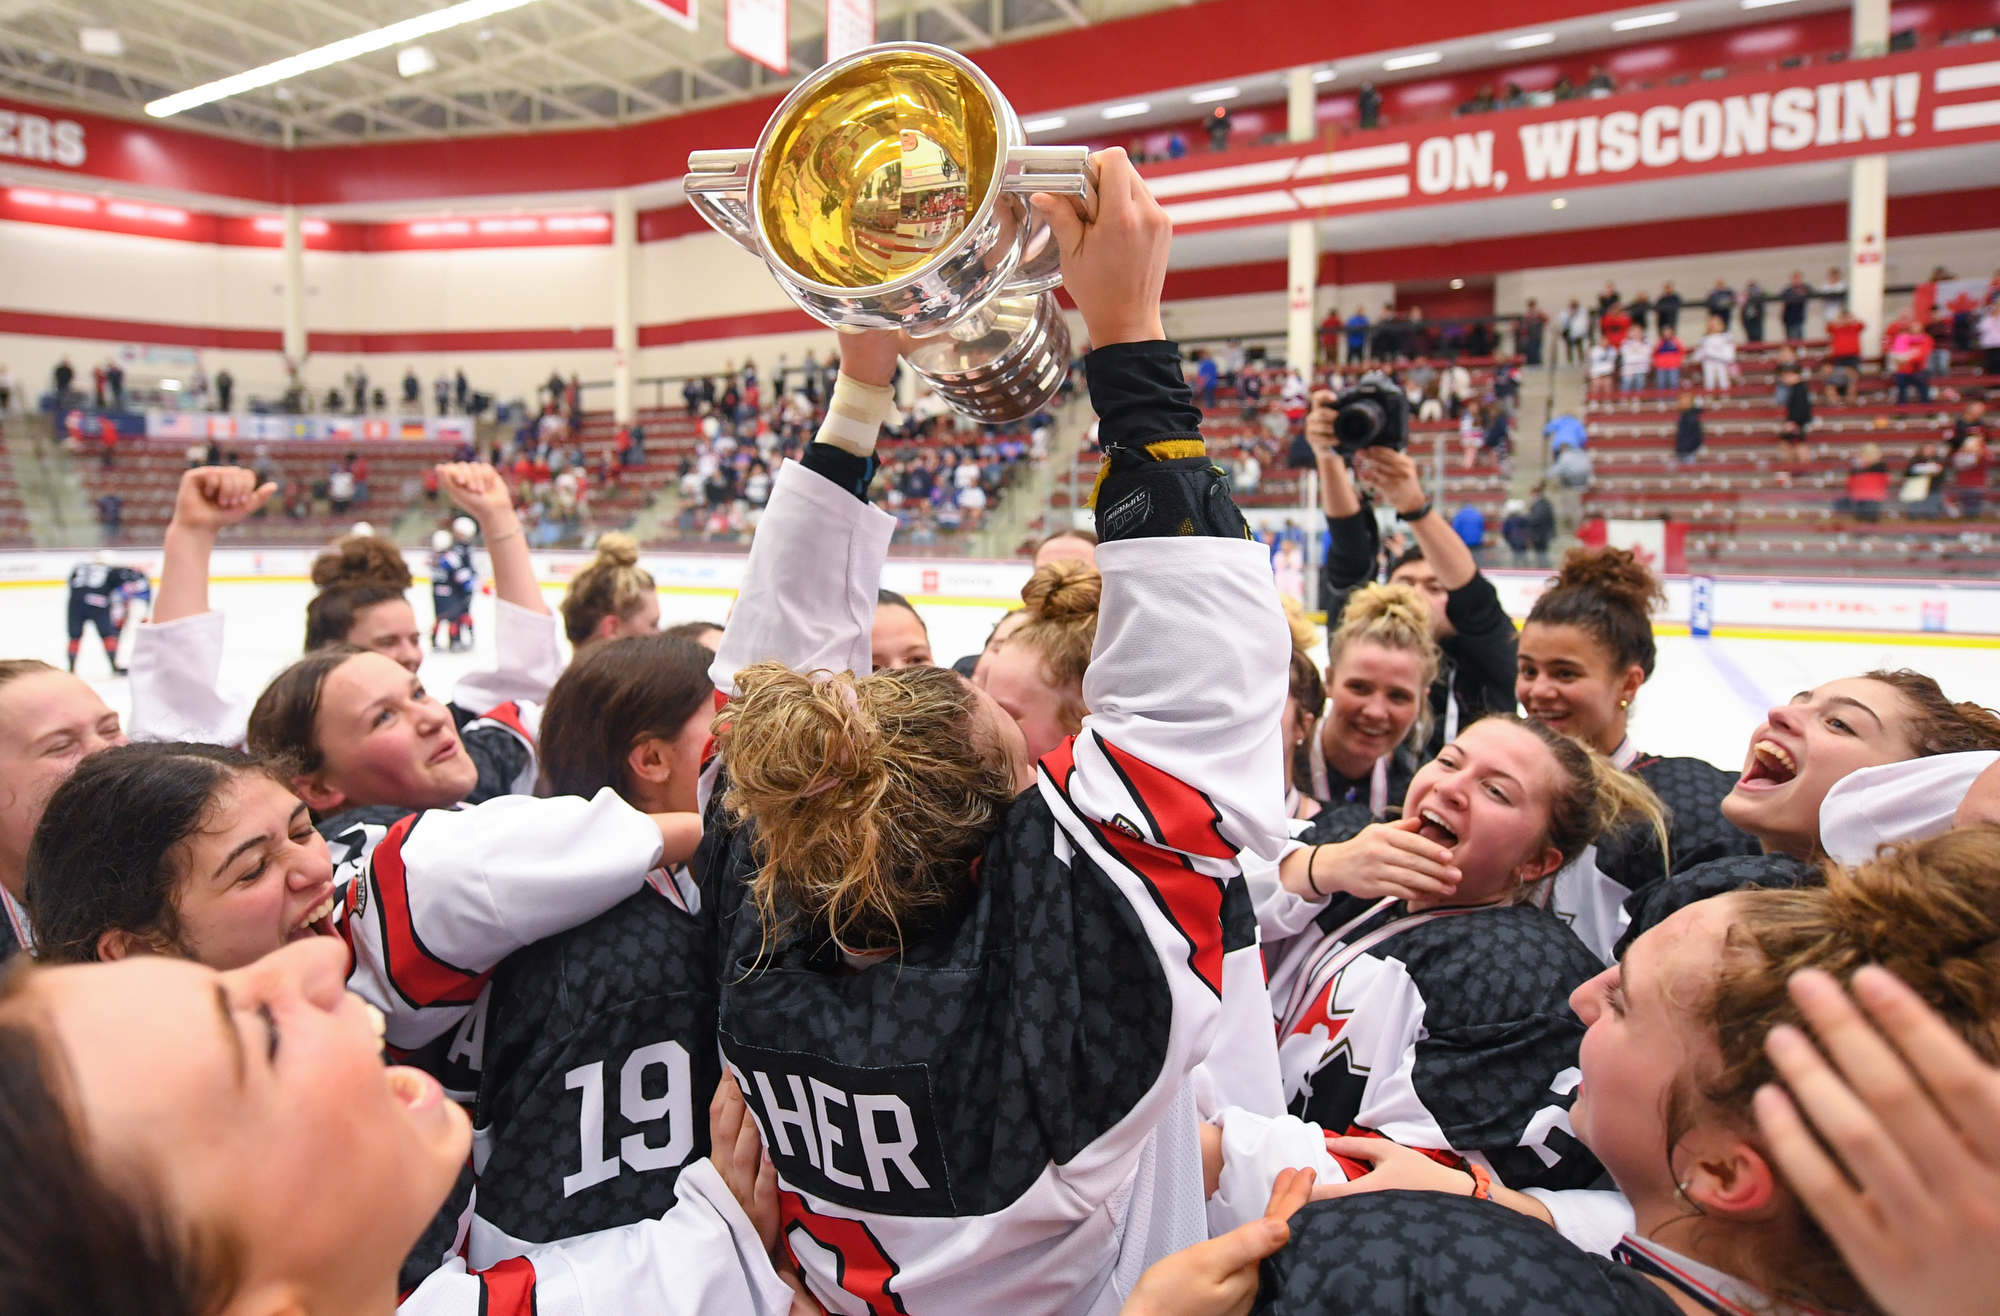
(212, 497)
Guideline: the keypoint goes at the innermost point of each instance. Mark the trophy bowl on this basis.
(889, 191)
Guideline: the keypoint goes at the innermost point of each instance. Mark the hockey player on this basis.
(49, 722)
(1687, 1039)
(934, 952)
(1802, 750)
(177, 692)
(465, 581)
(1036, 672)
(1381, 661)
(100, 593)
(1585, 652)
(1419, 985)
(286, 1169)
(451, 599)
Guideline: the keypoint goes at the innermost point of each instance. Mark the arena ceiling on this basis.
(551, 64)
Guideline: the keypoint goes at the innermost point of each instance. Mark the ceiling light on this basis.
(1413, 61)
(1528, 41)
(363, 43)
(1208, 94)
(1559, 203)
(1456, 284)
(1638, 21)
(1325, 75)
(1049, 124)
(104, 41)
(1125, 111)
(1763, 4)
(415, 61)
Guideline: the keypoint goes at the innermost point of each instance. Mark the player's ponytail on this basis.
(611, 584)
(357, 573)
(1608, 594)
(73, 1237)
(1062, 600)
(870, 798)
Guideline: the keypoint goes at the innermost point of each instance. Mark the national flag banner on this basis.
(850, 26)
(222, 427)
(413, 429)
(340, 427)
(1946, 297)
(375, 429)
(760, 31)
(680, 11)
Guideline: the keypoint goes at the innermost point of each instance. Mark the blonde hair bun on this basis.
(1062, 590)
(617, 549)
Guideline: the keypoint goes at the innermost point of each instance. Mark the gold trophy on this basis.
(890, 191)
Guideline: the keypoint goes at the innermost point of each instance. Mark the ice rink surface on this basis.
(1705, 698)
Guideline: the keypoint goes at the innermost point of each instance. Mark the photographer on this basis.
(1472, 629)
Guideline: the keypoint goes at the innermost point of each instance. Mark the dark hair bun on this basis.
(361, 560)
(1615, 573)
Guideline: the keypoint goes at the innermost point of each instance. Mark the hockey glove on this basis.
(1164, 489)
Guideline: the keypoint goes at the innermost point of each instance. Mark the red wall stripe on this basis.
(139, 331)
(460, 340)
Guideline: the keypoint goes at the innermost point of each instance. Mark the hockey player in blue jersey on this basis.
(100, 593)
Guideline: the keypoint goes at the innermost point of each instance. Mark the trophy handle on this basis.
(1060, 171)
(717, 184)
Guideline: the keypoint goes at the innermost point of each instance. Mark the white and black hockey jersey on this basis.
(1448, 1030)
(701, 1258)
(103, 587)
(1718, 877)
(599, 1060)
(985, 1123)
(1437, 1254)
(1596, 892)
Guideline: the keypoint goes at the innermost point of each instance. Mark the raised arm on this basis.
(177, 653)
(808, 597)
(1393, 475)
(528, 650)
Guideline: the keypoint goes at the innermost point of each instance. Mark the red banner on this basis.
(681, 11)
(1939, 98)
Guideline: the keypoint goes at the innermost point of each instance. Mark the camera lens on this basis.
(1358, 421)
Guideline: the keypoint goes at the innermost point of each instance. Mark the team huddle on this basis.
(1136, 965)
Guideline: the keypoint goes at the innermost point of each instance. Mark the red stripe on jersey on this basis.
(1191, 901)
(1181, 816)
(420, 977)
(509, 715)
(508, 1288)
(864, 1269)
(1060, 763)
(709, 746)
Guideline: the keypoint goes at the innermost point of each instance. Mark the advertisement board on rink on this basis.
(198, 426)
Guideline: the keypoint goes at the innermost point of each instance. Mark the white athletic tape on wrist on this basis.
(855, 415)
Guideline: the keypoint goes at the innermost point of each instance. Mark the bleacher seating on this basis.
(13, 514)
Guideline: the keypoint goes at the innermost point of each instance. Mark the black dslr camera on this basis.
(1372, 414)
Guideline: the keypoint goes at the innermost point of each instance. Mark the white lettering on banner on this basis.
(1829, 114)
(33, 137)
(1456, 163)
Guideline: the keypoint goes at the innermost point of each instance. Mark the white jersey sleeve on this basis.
(446, 894)
(177, 692)
(528, 659)
(1174, 774)
(702, 1258)
(808, 597)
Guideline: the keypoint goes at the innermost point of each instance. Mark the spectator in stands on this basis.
(1792, 306)
(340, 489)
(1798, 412)
(1608, 299)
(1970, 471)
(1541, 524)
(110, 515)
(1754, 302)
(1603, 369)
(114, 380)
(1576, 334)
(1668, 354)
(1218, 127)
(458, 389)
(1250, 390)
(1571, 471)
(1867, 485)
(1922, 490)
(1970, 420)
(1843, 332)
(1721, 302)
(1688, 435)
(1834, 291)
(1207, 375)
(1357, 337)
(1368, 107)
(360, 381)
(1498, 435)
(6, 389)
(97, 386)
(1614, 323)
(1909, 361)
(413, 388)
(1989, 339)
(1717, 354)
(1469, 524)
(1514, 530)
(1640, 308)
(1599, 84)
(1668, 308)
(1635, 359)
(62, 377)
(1533, 328)
(441, 393)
